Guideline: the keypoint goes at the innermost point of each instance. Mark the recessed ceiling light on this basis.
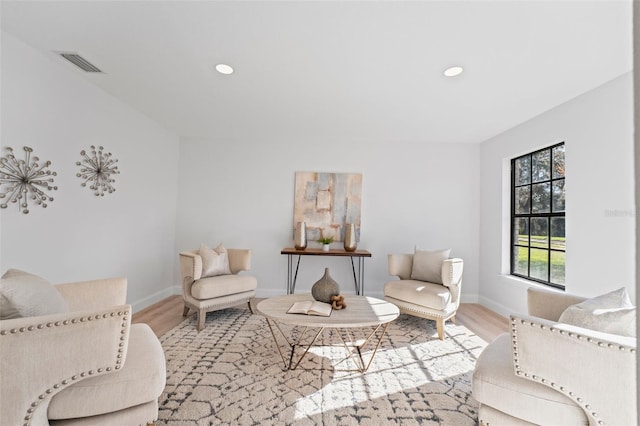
(453, 71)
(224, 69)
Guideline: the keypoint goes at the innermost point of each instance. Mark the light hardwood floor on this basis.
(167, 313)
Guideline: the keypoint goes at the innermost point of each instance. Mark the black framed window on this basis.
(538, 242)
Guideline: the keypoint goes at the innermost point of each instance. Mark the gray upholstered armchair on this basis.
(86, 366)
(204, 294)
(434, 294)
(551, 373)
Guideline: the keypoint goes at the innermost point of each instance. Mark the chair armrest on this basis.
(400, 265)
(190, 265)
(549, 304)
(452, 272)
(95, 294)
(40, 356)
(452, 278)
(596, 370)
(239, 260)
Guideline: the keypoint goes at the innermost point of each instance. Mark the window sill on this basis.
(523, 283)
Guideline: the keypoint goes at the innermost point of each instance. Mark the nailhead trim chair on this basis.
(438, 302)
(546, 372)
(214, 293)
(88, 366)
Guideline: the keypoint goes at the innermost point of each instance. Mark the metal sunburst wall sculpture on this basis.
(97, 169)
(24, 181)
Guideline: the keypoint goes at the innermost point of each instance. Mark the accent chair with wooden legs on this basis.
(428, 286)
(211, 280)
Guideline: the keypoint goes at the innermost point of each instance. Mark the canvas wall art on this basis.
(326, 202)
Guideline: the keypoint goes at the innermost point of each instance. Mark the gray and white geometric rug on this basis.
(231, 374)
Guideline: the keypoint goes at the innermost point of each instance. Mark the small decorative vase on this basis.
(325, 287)
(300, 236)
(350, 243)
(326, 247)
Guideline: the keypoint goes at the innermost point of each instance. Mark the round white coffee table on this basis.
(361, 312)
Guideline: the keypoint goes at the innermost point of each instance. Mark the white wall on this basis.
(597, 129)
(240, 192)
(48, 106)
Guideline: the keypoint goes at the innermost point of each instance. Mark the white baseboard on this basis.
(264, 293)
(150, 300)
(495, 307)
(469, 298)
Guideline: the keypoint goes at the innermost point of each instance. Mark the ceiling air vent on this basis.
(80, 62)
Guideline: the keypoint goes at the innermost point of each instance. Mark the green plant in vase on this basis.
(325, 241)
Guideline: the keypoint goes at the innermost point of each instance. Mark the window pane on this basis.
(558, 161)
(557, 267)
(538, 215)
(522, 200)
(558, 196)
(557, 233)
(541, 164)
(540, 197)
(539, 264)
(539, 232)
(523, 170)
(521, 231)
(520, 260)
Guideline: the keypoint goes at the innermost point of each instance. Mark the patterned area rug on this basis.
(231, 373)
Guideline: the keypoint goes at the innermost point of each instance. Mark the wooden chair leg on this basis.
(453, 319)
(202, 316)
(440, 327)
(250, 308)
(185, 312)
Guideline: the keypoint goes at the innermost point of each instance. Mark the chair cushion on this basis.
(222, 285)
(26, 295)
(142, 379)
(609, 313)
(430, 295)
(495, 384)
(427, 265)
(214, 261)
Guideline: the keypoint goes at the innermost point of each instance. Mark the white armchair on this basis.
(206, 294)
(431, 300)
(548, 373)
(87, 366)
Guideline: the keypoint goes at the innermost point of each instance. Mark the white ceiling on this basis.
(351, 70)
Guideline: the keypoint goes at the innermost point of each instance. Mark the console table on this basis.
(358, 277)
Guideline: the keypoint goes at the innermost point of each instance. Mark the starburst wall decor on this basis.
(24, 181)
(97, 170)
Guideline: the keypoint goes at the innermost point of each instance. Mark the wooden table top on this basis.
(361, 311)
(319, 252)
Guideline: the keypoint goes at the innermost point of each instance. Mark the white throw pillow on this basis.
(214, 261)
(26, 295)
(609, 313)
(427, 265)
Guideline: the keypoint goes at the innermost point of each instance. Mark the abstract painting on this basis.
(326, 202)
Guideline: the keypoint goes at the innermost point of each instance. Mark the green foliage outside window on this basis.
(538, 242)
